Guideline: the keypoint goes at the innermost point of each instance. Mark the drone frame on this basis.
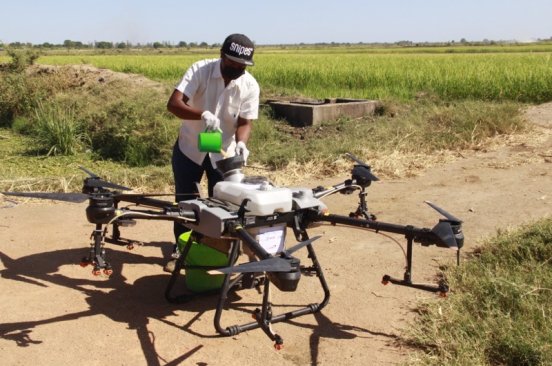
(282, 269)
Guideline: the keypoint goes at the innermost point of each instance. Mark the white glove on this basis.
(241, 149)
(211, 121)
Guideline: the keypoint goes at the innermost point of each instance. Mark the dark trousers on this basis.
(187, 176)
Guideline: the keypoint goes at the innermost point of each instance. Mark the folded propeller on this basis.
(272, 264)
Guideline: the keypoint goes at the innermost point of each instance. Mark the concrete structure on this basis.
(303, 113)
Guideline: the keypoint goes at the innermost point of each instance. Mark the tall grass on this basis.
(58, 129)
(523, 77)
(165, 68)
(518, 77)
(500, 311)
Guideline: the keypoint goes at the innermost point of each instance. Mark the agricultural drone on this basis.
(252, 216)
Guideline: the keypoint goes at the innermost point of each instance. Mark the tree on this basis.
(103, 44)
(182, 44)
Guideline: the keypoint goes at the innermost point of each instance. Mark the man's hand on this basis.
(211, 121)
(241, 149)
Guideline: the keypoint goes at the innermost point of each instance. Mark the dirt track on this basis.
(54, 311)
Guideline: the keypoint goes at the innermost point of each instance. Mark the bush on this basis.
(20, 90)
(21, 59)
(135, 131)
(16, 97)
(68, 109)
(22, 125)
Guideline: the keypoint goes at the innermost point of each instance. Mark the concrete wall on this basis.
(303, 114)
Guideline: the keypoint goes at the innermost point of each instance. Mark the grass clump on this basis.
(500, 310)
(58, 130)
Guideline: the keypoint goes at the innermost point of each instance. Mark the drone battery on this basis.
(198, 280)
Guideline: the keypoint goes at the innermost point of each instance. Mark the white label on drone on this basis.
(271, 239)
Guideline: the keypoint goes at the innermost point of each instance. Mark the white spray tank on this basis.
(263, 198)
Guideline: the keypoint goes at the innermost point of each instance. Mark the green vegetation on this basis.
(363, 73)
(421, 128)
(73, 110)
(500, 310)
(517, 77)
(424, 127)
(25, 169)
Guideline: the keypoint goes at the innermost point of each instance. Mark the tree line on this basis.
(104, 45)
(109, 45)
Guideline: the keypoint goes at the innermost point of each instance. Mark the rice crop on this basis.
(354, 73)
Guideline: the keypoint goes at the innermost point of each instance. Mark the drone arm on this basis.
(348, 186)
(422, 235)
(171, 211)
(187, 216)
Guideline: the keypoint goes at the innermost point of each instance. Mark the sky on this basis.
(274, 22)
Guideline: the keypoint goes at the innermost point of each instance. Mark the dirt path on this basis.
(54, 311)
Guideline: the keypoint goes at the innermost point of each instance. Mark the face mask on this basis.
(231, 73)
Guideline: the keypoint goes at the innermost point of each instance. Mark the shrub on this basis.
(134, 130)
(21, 59)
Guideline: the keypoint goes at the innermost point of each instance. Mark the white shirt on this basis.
(204, 86)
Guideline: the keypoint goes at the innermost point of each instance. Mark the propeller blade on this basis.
(362, 169)
(444, 232)
(92, 175)
(302, 244)
(100, 183)
(443, 212)
(274, 264)
(364, 172)
(155, 194)
(96, 181)
(59, 196)
(355, 159)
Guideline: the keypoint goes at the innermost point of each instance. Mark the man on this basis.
(214, 94)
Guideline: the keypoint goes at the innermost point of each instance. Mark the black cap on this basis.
(238, 48)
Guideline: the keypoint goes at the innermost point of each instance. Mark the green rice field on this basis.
(362, 73)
